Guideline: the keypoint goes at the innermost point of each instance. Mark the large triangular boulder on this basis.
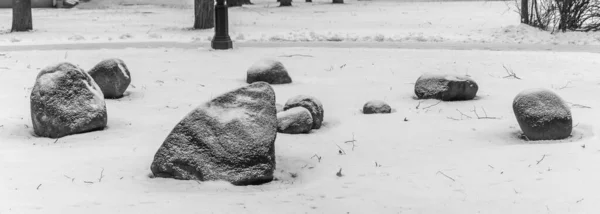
(542, 115)
(446, 87)
(65, 100)
(112, 76)
(268, 70)
(231, 138)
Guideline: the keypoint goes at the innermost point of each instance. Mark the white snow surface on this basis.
(428, 164)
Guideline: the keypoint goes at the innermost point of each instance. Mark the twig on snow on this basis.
(293, 55)
(351, 141)
(432, 105)
(344, 65)
(339, 173)
(317, 156)
(417, 107)
(38, 187)
(101, 175)
(440, 172)
(565, 86)
(538, 162)
(462, 114)
(510, 72)
(341, 151)
(484, 112)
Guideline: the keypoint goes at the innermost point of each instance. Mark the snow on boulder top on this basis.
(542, 102)
(268, 70)
(445, 87)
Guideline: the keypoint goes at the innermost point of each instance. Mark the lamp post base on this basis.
(221, 43)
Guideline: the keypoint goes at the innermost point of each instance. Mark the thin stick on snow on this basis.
(538, 162)
(293, 55)
(432, 105)
(417, 107)
(462, 114)
(440, 172)
(341, 151)
(510, 72)
(484, 117)
(351, 141)
(101, 175)
(317, 156)
(565, 86)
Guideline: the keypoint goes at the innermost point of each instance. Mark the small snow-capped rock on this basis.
(65, 100)
(542, 115)
(312, 104)
(445, 87)
(231, 138)
(268, 70)
(294, 121)
(112, 76)
(376, 107)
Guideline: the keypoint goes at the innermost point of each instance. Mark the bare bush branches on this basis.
(560, 15)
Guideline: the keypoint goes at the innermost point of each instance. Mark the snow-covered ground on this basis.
(423, 158)
(488, 169)
(265, 21)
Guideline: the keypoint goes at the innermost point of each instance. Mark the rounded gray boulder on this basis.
(268, 70)
(231, 138)
(542, 115)
(294, 121)
(65, 100)
(376, 107)
(112, 76)
(445, 87)
(312, 104)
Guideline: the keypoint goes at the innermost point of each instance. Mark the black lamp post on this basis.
(221, 40)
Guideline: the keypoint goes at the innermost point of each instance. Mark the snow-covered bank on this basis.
(435, 162)
(355, 21)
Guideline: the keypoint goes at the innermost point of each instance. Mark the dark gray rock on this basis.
(542, 115)
(313, 105)
(294, 121)
(112, 76)
(268, 70)
(445, 87)
(231, 138)
(65, 100)
(376, 107)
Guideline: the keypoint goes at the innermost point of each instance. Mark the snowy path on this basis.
(379, 45)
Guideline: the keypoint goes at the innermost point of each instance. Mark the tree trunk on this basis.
(308, 0)
(338, 1)
(204, 14)
(285, 3)
(525, 11)
(21, 15)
